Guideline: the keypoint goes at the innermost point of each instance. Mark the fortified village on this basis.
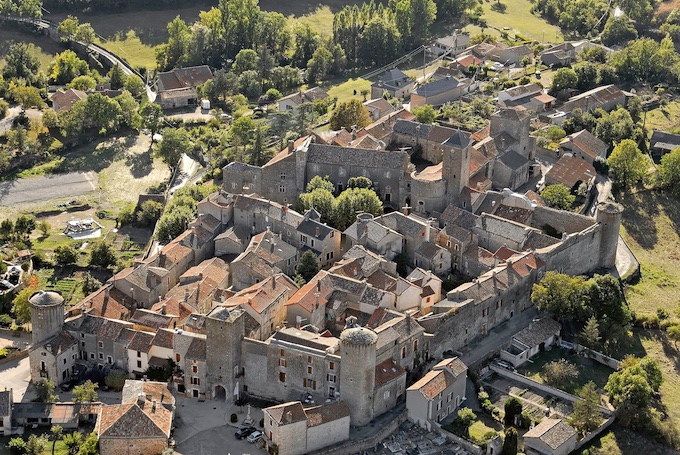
(384, 330)
(219, 300)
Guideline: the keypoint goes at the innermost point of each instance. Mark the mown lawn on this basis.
(665, 118)
(589, 370)
(132, 49)
(517, 18)
(45, 48)
(321, 20)
(651, 227)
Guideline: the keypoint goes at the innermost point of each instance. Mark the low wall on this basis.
(352, 447)
(15, 355)
(594, 355)
(593, 434)
(539, 386)
(467, 445)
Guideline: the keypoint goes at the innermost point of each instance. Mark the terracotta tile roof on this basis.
(433, 383)
(453, 365)
(503, 253)
(65, 100)
(110, 329)
(163, 338)
(388, 371)
(197, 349)
(482, 152)
(116, 306)
(306, 295)
(587, 142)
(285, 153)
(174, 307)
(286, 413)
(271, 247)
(382, 128)
(553, 432)
(538, 332)
(151, 319)
(261, 295)
(152, 390)
(133, 422)
(517, 214)
(141, 341)
(192, 76)
(431, 173)
(326, 413)
(544, 98)
(307, 96)
(570, 170)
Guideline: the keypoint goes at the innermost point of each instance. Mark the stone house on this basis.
(607, 97)
(562, 54)
(195, 368)
(139, 427)
(571, 172)
(585, 145)
(318, 237)
(265, 302)
(437, 394)
(550, 437)
(662, 142)
(64, 101)
(54, 359)
(6, 403)
(177, 88)
(452, 44)
(430, 138)
(510, 55)
(529, 97)
(139, 354)
(441, 91)
(432, 257)
(294, 430)
(400, 338)
(394, 83)
(379, 107)
(370, 234)
(292, 102)
(162, 348)
(308, 304)
(530, 341)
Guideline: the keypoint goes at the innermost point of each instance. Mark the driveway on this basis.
(16, 375)
(47, 188)
(12, 113)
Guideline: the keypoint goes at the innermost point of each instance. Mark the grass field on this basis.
(589, 370)
(320, 20)
(46, 48)
(665, 118)
(517, 18)
(131, 48)
(651, 227)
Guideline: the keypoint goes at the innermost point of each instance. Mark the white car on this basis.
(497, 66)
(254, 436)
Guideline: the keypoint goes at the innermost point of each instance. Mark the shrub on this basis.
(5, 320)
(17, 445)
(513, 407)
(126, 215)
(233, 418)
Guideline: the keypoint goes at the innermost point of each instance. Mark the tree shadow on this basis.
(640, 209)
(140, 164)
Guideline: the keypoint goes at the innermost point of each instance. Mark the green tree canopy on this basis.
(558, 196)
(44, 389)
(587, 415)
(425, 114)
(66, 67)
(627, 164)
(308, 265)
(513, 407)
(564, 78)
(318, 182)
(84, 83)
(65, 255)
(321, 200)
(350, 114)
(562, 295)
(510, 442)
(103, 254)
(669, 171)
(21, 62)
(176, 141)
(353, 201)
(85, 392)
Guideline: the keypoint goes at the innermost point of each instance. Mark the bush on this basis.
(149, 213)
(513, 407)
(233, 418)
(17, 445)
(116, 379)
(126, 215)
(601, 166)
(5, 320)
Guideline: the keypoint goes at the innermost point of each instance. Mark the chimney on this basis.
(153, 407)
(132, 294)
(141, 398)
(318, 231)
(291, 146)
(163, 309)
(317, 295)
(318, 286)
(289, 417)
(273, 282)
(186, 295)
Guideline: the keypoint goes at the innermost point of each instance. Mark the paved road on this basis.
(16, 375)
(47, 188)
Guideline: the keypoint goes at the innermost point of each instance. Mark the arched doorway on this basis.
(220, 393)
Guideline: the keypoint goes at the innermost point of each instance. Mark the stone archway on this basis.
(220, 393)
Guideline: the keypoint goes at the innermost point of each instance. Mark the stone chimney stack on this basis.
(291, 146)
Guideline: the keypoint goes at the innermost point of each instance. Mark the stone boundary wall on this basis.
(467, 445)
(593, 434)
(351, 447)
(594, 355)
(538, 386)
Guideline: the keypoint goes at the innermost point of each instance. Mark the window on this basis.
(196, 381)
(139, 353)
(109, 360)
(64, 361)
(282, 188)
(415, 344)
(101, 345)
(283, 363)
(311, 383)
(386, 395)
(282, 176)
(139, 364)
(403, 352)
(309, 359)
(194, 368)
(303, 239)
(331, 392)
(331, 365)
(82, 344)
(283, 352)
(92, 355)
(101, 356)
(310, 370)
(177, 357)
(439, 405)
(282, 377)
(330, 377)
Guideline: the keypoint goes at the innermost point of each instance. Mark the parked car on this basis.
(244, 432)
(68, 385)
(254, 436)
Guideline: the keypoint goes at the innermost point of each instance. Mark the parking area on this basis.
(411, 439)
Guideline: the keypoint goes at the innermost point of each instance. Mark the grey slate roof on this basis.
(459, 139)
(513, 160)
(411, 128)
(310, 226)
(437, 87)
(5, 403)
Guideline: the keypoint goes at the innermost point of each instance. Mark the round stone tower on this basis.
(357, 372)
(47, 315)
(609, 216)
